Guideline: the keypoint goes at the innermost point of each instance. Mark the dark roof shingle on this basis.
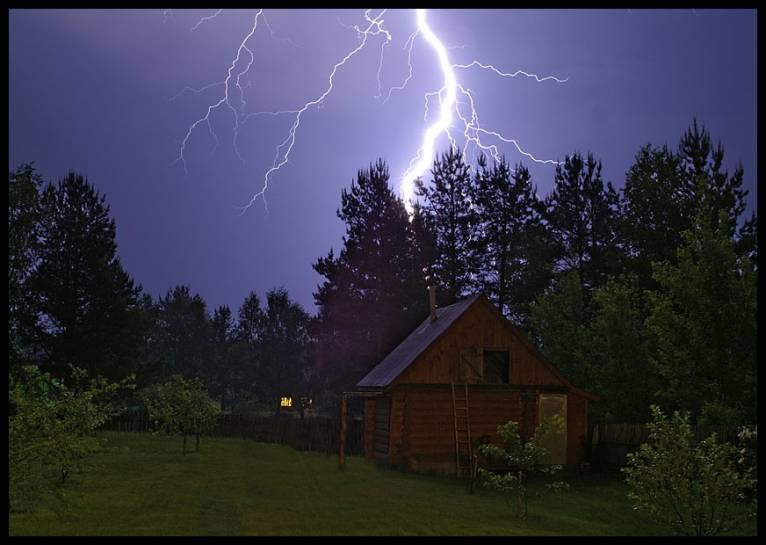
(410, 348)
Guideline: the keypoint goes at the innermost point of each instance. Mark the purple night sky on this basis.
(89, 91)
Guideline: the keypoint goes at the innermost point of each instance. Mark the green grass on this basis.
(142, 485)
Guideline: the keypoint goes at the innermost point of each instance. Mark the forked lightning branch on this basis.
(456, 117)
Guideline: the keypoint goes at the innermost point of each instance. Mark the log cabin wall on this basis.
(423, 434)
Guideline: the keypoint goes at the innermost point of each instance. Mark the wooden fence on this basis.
(609, 444)
(312, 433)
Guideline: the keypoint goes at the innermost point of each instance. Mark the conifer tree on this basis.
(368, 299)
(447, 204)
(583, 216)
(88, 311)
(512, 243)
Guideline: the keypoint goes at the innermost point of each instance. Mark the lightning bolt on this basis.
(457, 103)
(201, 21)
(449, 104)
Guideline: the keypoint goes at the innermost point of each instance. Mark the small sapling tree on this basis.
(692, 487)
(522, 459)
(181, 406)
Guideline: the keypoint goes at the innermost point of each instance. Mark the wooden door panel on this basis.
(554, 408)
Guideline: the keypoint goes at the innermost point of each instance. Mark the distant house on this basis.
(448, 385)
(289, 403)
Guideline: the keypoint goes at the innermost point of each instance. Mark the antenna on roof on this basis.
(431, 295)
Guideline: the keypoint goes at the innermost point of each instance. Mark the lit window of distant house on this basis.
(286, 402)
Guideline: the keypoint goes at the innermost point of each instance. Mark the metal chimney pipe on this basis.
(432, 301)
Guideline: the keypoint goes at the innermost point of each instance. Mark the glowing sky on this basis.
(89, 91)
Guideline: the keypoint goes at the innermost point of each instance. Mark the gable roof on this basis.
(416, 342)
(428, 331)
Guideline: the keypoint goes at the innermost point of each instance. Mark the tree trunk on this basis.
(196, 448)
(184, 448)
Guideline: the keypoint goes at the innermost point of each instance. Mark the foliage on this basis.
(86, 304)
(747, 463)
(523, 459)
(513, 242)
(51, 429)
(448, 208)
(702, 326)
(665, 190)
(181, 337)
(221, 338)
(559, 319)
(372, 293)
(693, 488)
(618, 353)
(283, 347)
(181, 406)
(23, 217)
(583, 217)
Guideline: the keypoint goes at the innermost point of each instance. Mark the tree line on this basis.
(644, 294)
(73, 306)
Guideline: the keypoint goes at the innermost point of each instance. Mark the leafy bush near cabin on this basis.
(692, 487)
(524, 460)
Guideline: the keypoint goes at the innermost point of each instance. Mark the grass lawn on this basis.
(142, 485)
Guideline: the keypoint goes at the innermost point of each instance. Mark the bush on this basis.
(694, 488)
(51, 429)
(181, 406)
(523, 459)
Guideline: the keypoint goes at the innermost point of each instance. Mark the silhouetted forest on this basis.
(646, 294)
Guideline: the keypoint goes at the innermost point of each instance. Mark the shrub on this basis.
(51, 429)
(523, 459)
(181, 406)
(691, 487)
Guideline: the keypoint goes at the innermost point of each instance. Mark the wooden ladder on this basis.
(462, 431)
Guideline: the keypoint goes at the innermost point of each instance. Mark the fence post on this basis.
(343, 424)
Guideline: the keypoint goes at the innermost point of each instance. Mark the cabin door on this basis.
(553, 407)
(382, 426)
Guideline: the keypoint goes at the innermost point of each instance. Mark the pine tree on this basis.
(88, 306)
(664, 191)
(220, 370)
(583, 216)
(702, 165)
(368, 300)
(513, 241)
(284, 347)
(702, 324)
(447, 204)
(657, 207)
(23, 220)
(182, 334)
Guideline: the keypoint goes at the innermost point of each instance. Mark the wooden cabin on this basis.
(449, 384)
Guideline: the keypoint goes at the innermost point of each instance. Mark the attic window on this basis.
(497, 367)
